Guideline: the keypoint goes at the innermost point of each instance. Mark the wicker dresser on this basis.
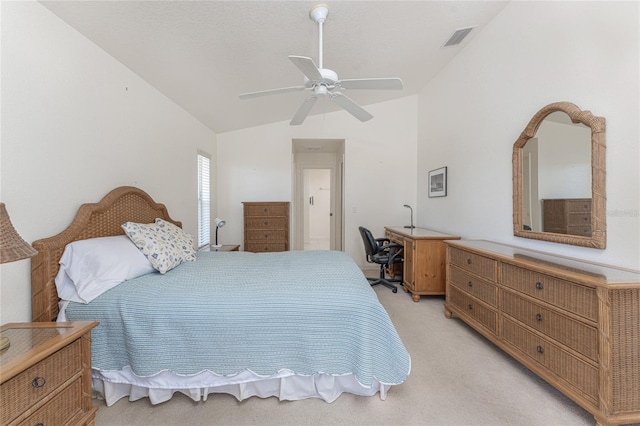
(45, 374)
(575, 324)
(567, 216)
(266, 226)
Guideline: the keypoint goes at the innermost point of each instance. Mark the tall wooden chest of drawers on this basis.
(266, 226)
(575, 324)
(45, 375)
(567, 216)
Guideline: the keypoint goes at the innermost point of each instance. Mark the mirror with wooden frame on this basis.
(559, 177)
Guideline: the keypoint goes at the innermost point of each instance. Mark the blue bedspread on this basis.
(309, 312)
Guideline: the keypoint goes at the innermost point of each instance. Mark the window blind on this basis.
(204, 200)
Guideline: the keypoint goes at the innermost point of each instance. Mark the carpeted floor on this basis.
(457, 378)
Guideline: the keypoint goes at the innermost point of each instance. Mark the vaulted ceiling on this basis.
(203, 54)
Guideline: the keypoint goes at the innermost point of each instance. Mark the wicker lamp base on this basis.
(4, 343)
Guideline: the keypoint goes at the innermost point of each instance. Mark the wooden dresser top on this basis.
(594, 273)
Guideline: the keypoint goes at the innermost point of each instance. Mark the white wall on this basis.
(75, 124)
(530, 55)
(255, 164)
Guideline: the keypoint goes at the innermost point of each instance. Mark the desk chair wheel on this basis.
(395, 290)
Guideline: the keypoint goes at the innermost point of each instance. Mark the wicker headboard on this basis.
(102, 219)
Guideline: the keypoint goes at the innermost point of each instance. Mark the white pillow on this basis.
(90, 267)
(165, 244)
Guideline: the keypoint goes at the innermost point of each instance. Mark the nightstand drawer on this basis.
(33, 384)
(482, 289)
(62, 408)
(474, 263)
(573, 297)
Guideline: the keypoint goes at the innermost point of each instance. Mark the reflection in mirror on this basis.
(556, 178)
(559, 177)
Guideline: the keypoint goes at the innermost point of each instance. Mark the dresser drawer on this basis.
(477, 287)
(578, 373)
(281, 209)
(474, 263)
(579, 299)
(61, 409)
(265, 223)
(33, 384)
(266, 235)
(584, 230)
(472, 308)
(583, 206)
(577, 335)
(265, 247)
(579, 219)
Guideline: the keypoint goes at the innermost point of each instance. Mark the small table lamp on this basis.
(219, 224)
(12, 248)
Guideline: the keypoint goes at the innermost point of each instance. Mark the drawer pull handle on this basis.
(470, 284)
(38, 382)
(266, 222)
(539, 285)
(539, 317)
(469, 262)
(540, 349)
(39, 424)
(266, 235)
(470, 306)
(265, 210)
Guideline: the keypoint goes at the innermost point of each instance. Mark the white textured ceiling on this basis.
(203, 54)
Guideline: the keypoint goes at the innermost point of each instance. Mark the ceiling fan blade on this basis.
(271, 92)
(372, 83)
(303, 111)
(350, 106)
(307, 66)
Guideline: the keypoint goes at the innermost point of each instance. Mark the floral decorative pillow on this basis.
(163, 243)
(184, 239)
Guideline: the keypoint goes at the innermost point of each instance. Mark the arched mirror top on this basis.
(559, 177)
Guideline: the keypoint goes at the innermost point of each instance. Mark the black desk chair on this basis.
(383, 252)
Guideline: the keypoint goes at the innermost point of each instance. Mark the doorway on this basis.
(317, 199)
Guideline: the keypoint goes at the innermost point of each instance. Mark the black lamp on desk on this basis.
(409, 226)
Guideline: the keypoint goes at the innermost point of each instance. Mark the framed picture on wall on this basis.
(438, 182)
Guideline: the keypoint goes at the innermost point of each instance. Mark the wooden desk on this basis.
(425, 255)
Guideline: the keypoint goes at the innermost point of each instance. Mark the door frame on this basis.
(318, 154)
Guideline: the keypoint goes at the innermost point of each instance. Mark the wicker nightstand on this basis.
(45, 375)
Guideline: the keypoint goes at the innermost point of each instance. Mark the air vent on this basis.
(457, 36)
(312, 148)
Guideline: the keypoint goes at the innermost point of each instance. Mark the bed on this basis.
(293, 325)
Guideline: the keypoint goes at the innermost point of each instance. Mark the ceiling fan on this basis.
(324, 82)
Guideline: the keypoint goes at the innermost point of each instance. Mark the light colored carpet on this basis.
(457, 378)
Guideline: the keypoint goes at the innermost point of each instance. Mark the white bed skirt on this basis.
(113, 385)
